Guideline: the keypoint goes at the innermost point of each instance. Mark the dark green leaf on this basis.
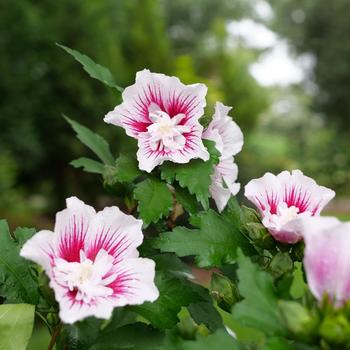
(137, 336)
(16, 282)
(195, 175)
(155, 200)
(16, 326)
(259, 309)
(205, 313)
(219, 340)
(174, 294)
(95, 70)
(82, 335)
(88, 165)
(95, 142)
(186, 199)
(214, 243)
(126, 168)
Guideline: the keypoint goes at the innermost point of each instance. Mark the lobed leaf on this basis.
(155, 200)
(127, 168)
(259, 309)
(214, 243)
(174, 294)
(195, 175)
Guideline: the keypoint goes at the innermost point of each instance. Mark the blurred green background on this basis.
(284, 66)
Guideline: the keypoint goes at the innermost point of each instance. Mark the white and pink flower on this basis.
(285, 199)
(228, 139)
(162, 114)
(92, 261)
(326, 258)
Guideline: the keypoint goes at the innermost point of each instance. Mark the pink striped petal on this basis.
(115, 232)
(92, 261)
(134, 284)
(284, 198)
(168, 93)
(71, 227)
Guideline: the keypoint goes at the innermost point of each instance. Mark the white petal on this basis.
(40, 249)
(148, 158)
(220, 195)
(303, 191)
(265, 192)
(71, 312)
(225, 132)
(136, 283)
(326, 257)
(117, 233)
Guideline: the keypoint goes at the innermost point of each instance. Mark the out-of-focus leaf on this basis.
(259, 309)
(95, 142)
(95, 70)
(88, 165)
(136, 336)
(16, 326)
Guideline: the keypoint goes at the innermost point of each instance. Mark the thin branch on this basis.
(54, 336)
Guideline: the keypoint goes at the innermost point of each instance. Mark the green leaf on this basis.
(137, 336)
(259, 309)
(205, 313)
(127, 168)
(88, 165)
(95, 70)
(81, 335)
(219, 340)
(155, 200)
(195, 175)
(252, 338)
(202, 311)
(16, 326)
(214, 243)
(186, 199)
(174, 294)
(278, 344)
(95, 142)
(16, 282)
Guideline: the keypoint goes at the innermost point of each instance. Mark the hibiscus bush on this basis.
(125, 277)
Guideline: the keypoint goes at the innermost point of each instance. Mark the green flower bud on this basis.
(298, 320)
(280, 264)
(224, 291)
(335, 329)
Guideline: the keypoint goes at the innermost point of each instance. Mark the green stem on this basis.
(43, 319)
